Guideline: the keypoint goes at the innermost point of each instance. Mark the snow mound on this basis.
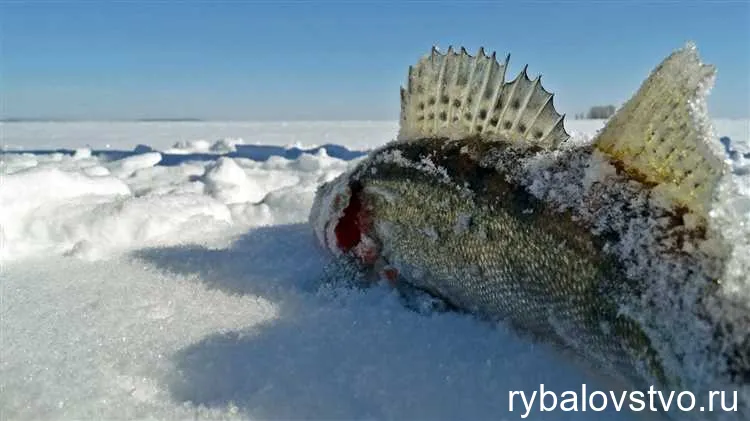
(221, 146)
(127, 166)
(227, 182)
(46, 210)
(87, 206)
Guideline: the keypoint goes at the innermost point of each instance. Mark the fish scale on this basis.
(532, 273)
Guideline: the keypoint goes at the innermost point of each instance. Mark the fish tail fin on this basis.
(662, 135)
(456, 96)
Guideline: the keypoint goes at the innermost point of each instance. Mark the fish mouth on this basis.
(350, 227)
(342, 221)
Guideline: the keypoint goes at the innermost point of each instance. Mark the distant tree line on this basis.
(598, 112)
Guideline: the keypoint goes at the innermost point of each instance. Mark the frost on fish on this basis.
(620, 249)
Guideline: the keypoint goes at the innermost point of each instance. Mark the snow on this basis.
(164, 135)
(150, 273)
(127, 166)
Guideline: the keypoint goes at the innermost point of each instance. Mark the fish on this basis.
(619, 251)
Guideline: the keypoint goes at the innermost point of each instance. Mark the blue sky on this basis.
(249, 60)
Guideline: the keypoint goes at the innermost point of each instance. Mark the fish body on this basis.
(605, 249)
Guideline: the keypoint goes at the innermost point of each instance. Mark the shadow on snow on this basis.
(347, 353)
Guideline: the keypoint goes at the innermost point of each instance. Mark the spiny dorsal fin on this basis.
(662, 135)
(455, 96)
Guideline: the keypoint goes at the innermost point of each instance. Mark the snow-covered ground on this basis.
(163, 135)
(151, 271)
